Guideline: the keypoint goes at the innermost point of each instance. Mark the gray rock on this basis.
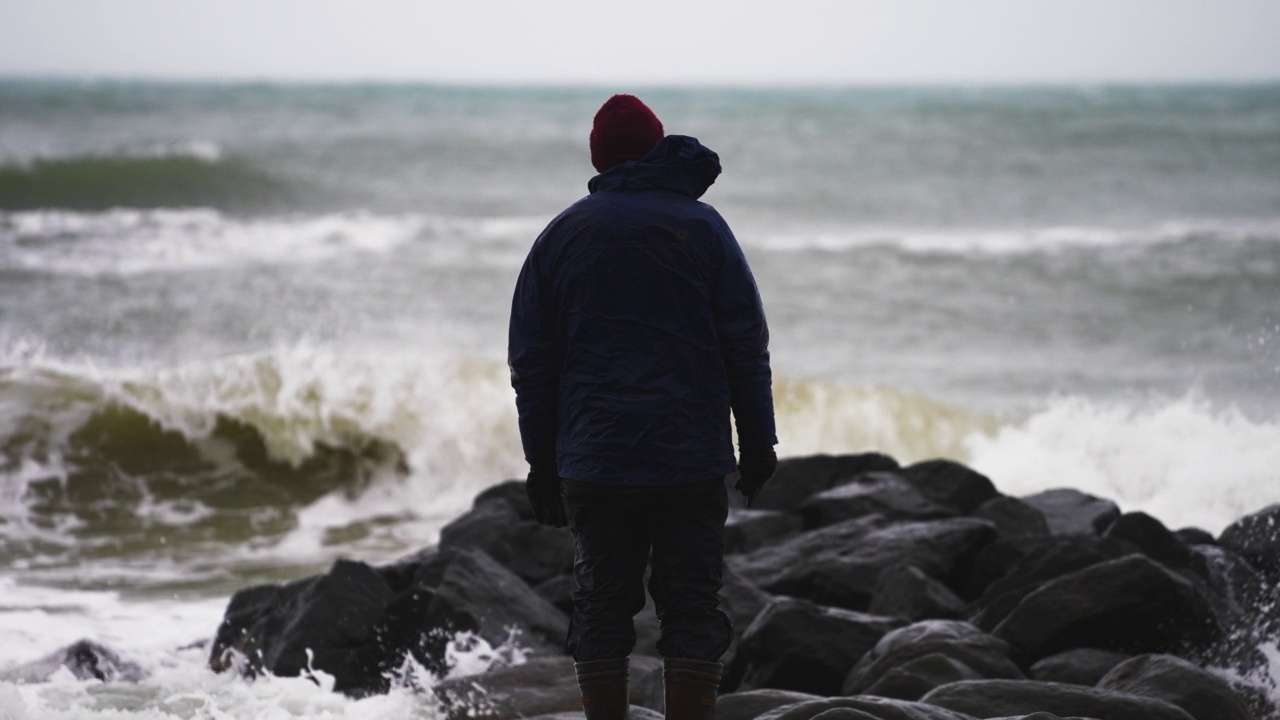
(1203, 695)
(1151, 537)
(877, 707)
(1072, 512)
(797, 645)
(747, 530)
(994, 698)
(541, 686)
(85, 659)
(1257, 538)
(531, 550)
(883, 493)
(914, 678)
(906, 592)
(798, 478)
(839, 565)
(955, 639)
(1080, 666)
(1129, 605)
(750, 704)
(949, 483)
(1013, 518)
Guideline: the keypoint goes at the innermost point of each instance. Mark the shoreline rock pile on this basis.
(859, 590)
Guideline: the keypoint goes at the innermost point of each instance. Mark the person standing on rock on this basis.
(636, 330)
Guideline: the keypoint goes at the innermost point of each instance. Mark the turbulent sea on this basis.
(246, 329)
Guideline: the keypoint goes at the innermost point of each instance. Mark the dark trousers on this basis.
(616, 531)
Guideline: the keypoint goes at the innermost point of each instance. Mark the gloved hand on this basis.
(543, 488)
(755, 467)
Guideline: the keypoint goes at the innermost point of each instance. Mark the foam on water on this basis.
(1181, 460)
(1018, 241)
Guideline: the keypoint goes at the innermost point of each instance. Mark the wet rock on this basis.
(913, 679)
(1128, 605)
(750, 704)
(747, 530)
(1023, 566)
(906, 592)
(1203, 695)
(85, 660)
(949, 483)
(839, 565)
(1072, 512)
(985, 654)
(878, 708)
(531, 550)
(327, 622)
(1196, 536)
(1081, 666)
(882, 493)
(1012, 517)
(1151, 537)
(1256, 537)
(481, 596)
(798, 478)
(995, 698)
(797, 645)
(542, 686)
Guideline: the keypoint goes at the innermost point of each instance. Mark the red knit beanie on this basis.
(624, 129)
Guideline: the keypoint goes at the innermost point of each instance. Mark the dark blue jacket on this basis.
(636, 326)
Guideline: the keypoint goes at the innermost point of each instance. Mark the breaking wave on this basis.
(198, 179)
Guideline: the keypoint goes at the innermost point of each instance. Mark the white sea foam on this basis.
(1182, 461)
(1021, 240)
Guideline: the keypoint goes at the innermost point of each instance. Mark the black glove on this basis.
(755, 468)
(543, 488)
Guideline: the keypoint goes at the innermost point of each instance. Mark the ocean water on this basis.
(246, 329)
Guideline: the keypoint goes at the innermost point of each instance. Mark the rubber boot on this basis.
(691, 687)
(604, 688)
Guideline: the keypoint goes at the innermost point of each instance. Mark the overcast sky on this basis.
(651, 41)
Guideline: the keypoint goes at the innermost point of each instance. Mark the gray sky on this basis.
(652, 41)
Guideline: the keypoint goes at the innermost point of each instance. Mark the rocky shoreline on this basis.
(859, 590)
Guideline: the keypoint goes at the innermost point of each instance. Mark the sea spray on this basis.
(1181, 460)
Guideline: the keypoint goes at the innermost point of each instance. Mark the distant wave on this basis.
(1021, 240)
(200, 177)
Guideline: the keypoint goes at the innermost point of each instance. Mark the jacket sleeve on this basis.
(534, 358)
(744, 341)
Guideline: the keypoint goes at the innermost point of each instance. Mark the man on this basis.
(636, 328)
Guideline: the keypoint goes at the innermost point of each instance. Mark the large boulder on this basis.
(534, 551)
(797, 645)
(1151, 537)
(1012, 517)
(995, 698)
(1080, 666)
(750, 704)
(1008, 570)
(798, 478)
(907, 592)
(1256, 537)
(327, 622)
(985, 654)
(1072, 512)
(1128, 605)
(951, 484)
(877, 708)
(881, 493)
(540, 686)
(479, 595)
(1202, 694)
(746, 530)
(914, 678)
(840, 564)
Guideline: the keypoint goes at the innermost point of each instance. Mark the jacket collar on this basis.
(678, 163)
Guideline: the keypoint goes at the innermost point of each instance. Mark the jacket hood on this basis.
(678, 162)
